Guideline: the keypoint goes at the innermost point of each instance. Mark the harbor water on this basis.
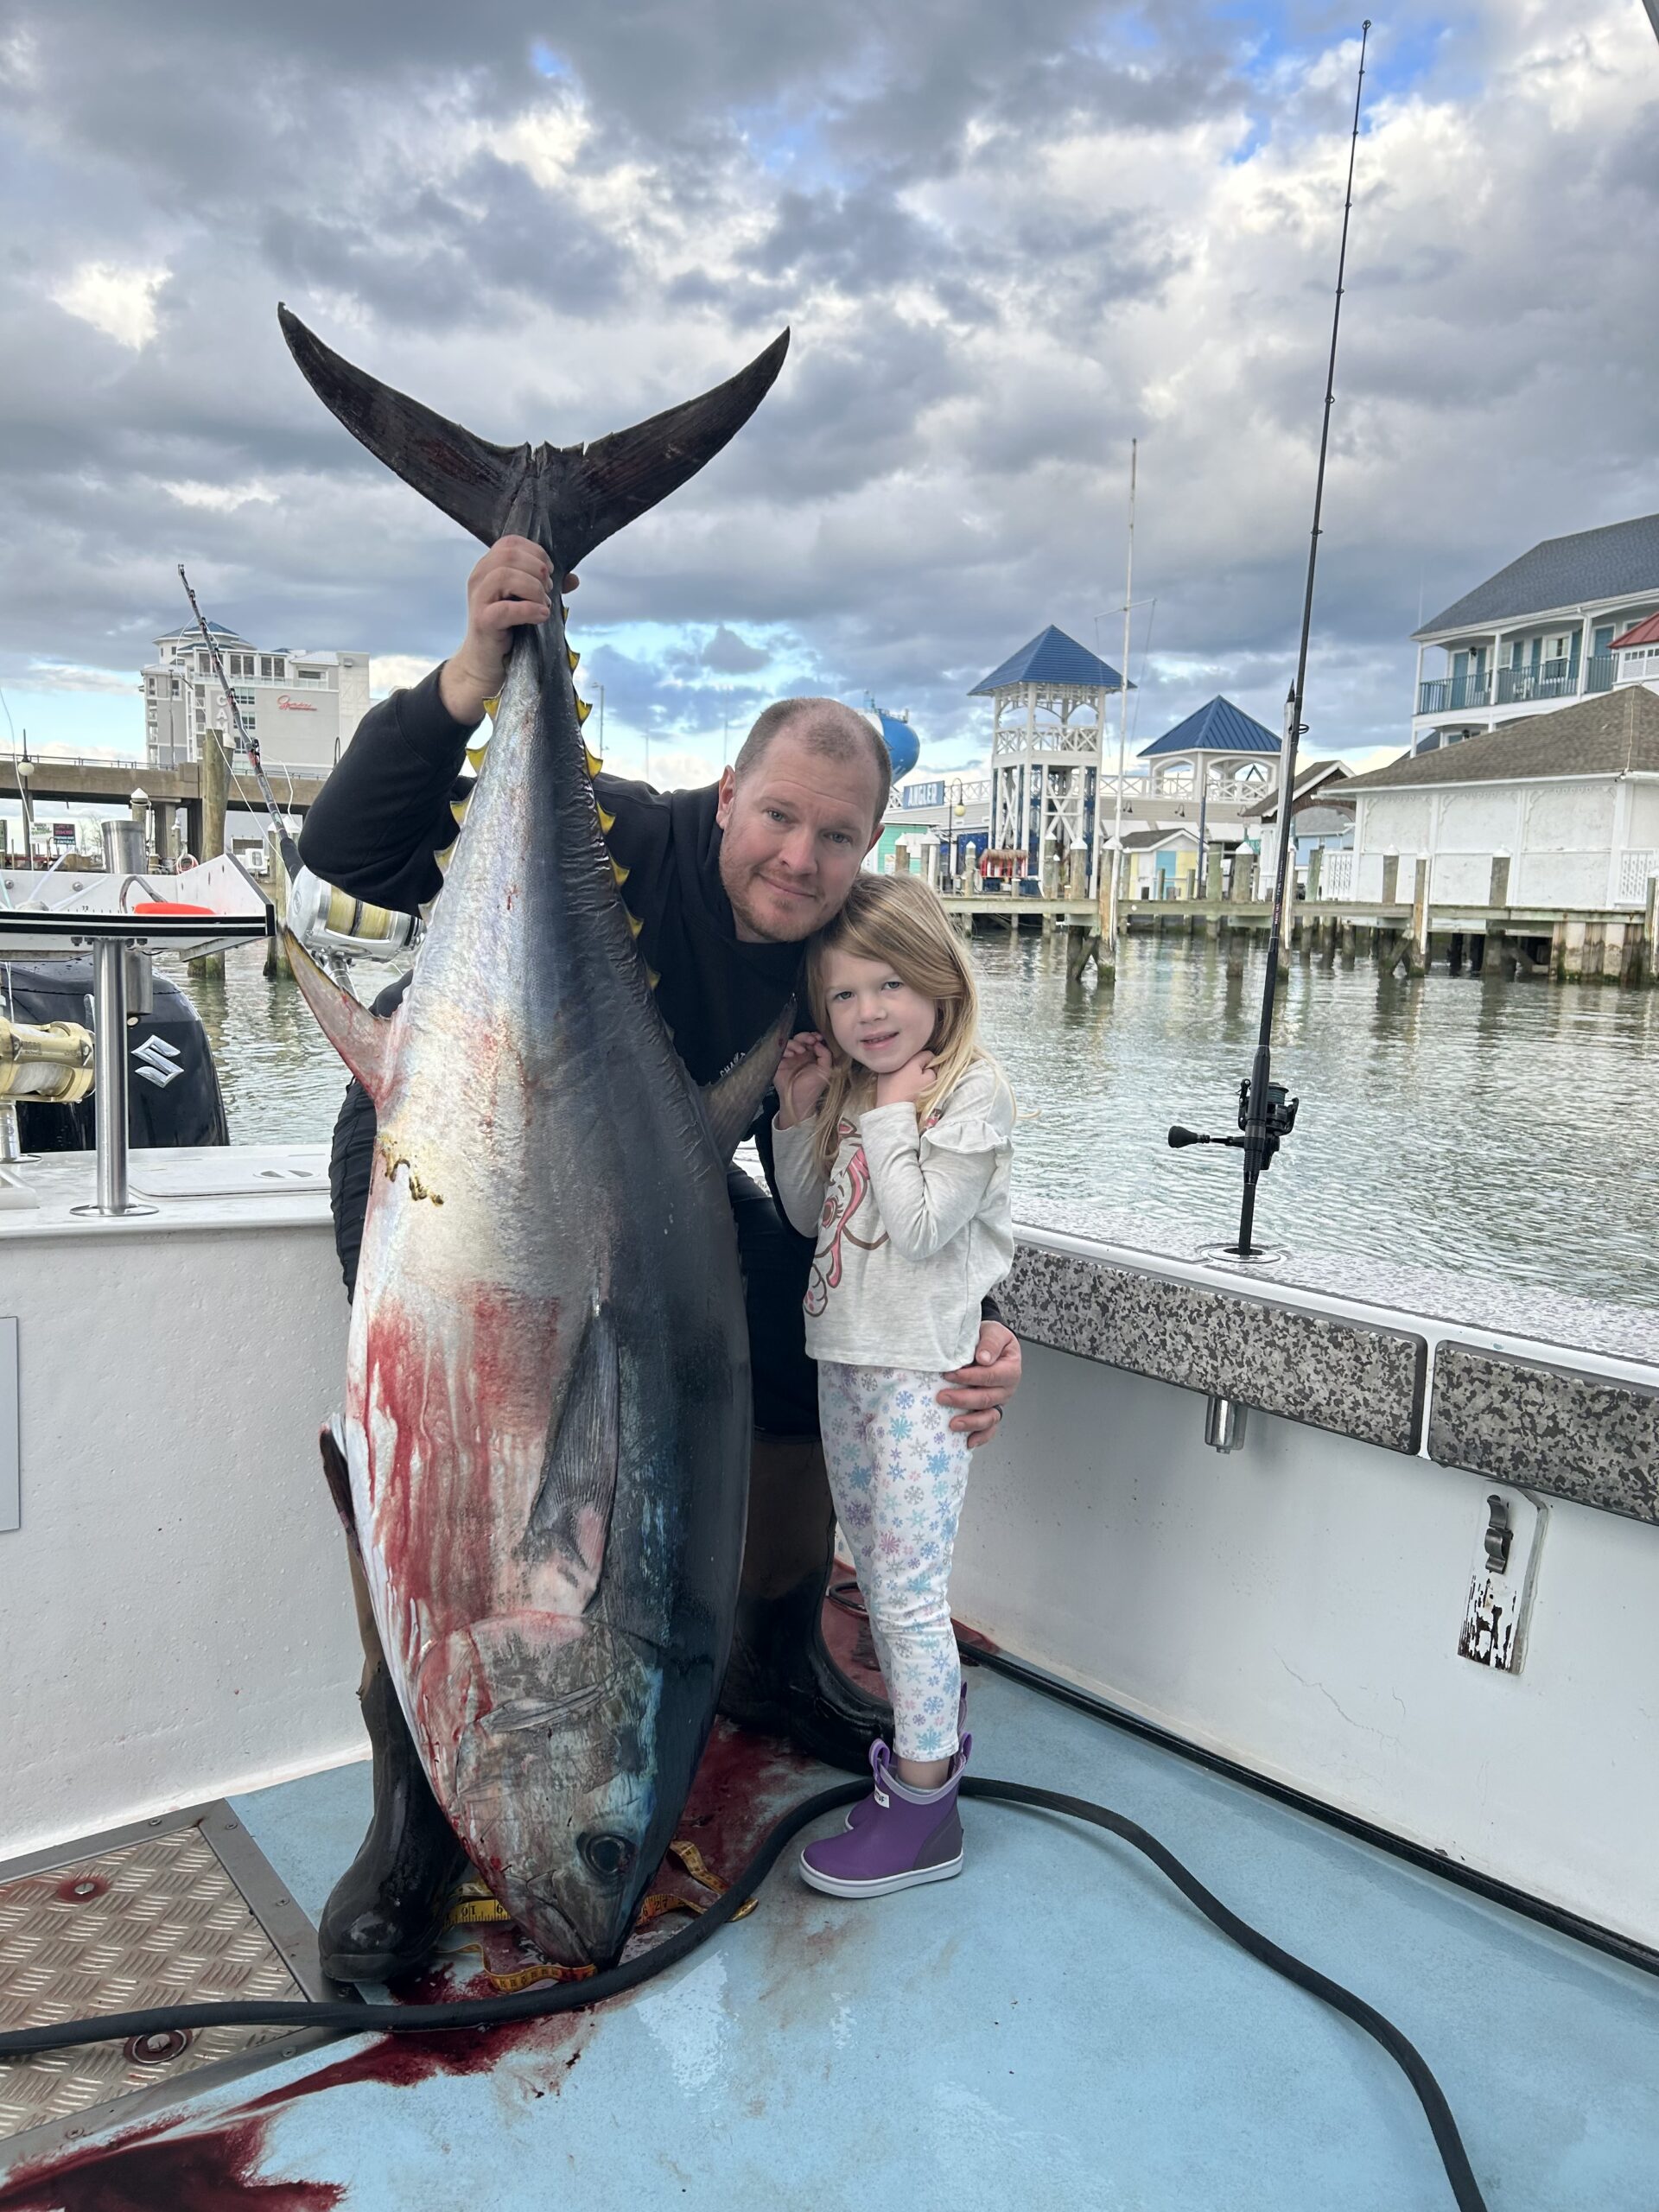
(1502, 1129)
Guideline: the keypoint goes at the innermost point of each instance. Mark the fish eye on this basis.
(609, 1856)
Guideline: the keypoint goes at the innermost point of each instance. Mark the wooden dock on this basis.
(1563, 945)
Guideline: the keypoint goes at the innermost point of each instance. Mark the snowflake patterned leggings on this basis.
(898, 1475)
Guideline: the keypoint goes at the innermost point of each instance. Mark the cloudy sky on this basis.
(1008, 239)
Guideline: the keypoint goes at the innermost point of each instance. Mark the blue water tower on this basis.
(903, 744)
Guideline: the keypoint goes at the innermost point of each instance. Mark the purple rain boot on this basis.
(857, 1814)
(907, 1837)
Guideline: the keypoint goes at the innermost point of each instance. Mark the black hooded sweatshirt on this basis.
(384, 815)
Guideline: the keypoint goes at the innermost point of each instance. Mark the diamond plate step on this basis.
(179, 1911)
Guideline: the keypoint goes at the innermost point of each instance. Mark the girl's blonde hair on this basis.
(897, 919)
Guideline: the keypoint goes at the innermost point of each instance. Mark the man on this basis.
(727, 883)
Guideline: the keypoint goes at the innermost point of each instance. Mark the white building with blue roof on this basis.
(1535, 635)
(1048, 729)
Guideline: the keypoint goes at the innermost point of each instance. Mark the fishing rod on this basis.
(246, 741)
(1266, 1114)
(334, 927)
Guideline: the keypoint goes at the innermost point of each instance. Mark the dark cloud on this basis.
(1006, 240)
(729, 655)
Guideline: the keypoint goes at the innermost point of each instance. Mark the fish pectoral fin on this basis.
(338, 1476)
(366, 1041)
(732, 1101)
(570, 1521)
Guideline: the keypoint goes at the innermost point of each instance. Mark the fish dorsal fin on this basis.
(570, 1521)
(732, 1101)
(366, 1041)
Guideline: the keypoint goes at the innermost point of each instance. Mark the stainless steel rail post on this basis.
(109, 1045)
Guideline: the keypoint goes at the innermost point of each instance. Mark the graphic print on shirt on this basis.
(848, 1189)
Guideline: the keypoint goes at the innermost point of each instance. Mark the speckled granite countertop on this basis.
(1359, 1379)
(1465, 1303)
(1592, 1439)
(1528, 1412)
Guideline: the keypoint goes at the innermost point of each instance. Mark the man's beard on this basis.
(765, 924)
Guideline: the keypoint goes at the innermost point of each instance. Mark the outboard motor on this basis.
(173, 1094)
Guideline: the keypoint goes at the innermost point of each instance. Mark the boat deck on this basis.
(1056, 2028)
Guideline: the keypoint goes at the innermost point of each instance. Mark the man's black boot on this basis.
(780, 1680)
(386, 1911)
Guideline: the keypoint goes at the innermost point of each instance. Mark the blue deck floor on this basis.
(1057, 2028)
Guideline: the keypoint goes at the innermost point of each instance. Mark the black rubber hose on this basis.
(353, 2019)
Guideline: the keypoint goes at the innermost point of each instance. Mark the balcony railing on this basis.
(1450, 695)
(1517, 687)
(1551, 679)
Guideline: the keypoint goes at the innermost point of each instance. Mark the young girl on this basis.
(892, 1147)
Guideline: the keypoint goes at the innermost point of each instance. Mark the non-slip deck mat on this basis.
(157, 1921)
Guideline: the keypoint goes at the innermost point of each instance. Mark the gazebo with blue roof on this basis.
(1215, 735)
(1048, 703)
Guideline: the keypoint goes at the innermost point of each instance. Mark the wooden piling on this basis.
(277, 965)
(212, 781)
(1417, 944)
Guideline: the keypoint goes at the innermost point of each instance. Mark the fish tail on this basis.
(567, 498)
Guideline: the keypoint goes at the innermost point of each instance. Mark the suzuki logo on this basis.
(157, 1061)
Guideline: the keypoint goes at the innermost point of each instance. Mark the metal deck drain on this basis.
(182, 1910)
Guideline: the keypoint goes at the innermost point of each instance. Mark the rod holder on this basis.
(110, 1058)
(1223, 1422)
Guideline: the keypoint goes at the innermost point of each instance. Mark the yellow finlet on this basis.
(458, 807)
(572, 657)
(652, 977)
(595, 764)
(491, 705)
(606, 821)
(475, 756)
(444, 858)
(635, 923)
(618, 871)
(584, 709)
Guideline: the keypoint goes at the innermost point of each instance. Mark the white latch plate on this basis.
(1503, 1581)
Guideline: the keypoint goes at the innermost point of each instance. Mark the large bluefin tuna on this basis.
(547, 1402)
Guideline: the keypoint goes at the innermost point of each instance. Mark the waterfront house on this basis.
(1164, 863)
(1557, 813)
(1637, 653)
(1322, 822)
(1544, 630)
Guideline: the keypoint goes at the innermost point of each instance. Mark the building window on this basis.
(273, 667)
(309, 675)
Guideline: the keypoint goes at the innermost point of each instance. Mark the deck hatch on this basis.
(181, 1909)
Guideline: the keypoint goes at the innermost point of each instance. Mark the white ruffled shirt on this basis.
(913, 1226)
